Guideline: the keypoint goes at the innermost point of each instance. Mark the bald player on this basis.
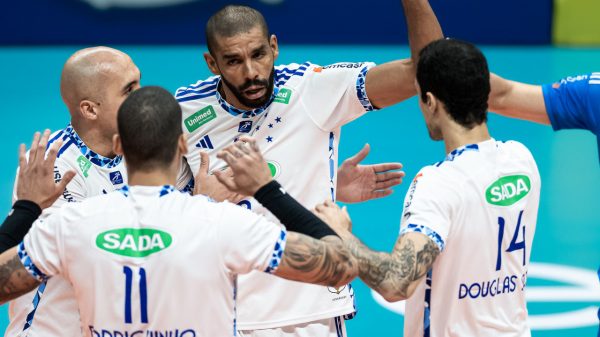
(94, 83)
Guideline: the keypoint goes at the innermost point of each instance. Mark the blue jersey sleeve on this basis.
(574, 103)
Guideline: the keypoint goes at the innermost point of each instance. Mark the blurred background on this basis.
(534, 41)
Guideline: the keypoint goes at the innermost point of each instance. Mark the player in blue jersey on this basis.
(571, 103)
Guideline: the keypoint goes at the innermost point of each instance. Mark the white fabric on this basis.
(330, 327)
(56, 313)
(190, 276)
(450, 202)
(298, 133)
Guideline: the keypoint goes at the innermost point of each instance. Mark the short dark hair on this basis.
(149, 124)
(456, 72)
(232, 20)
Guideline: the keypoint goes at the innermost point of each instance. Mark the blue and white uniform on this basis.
(51, 310)
(480, 207)
(150, 260)
(574, 103)
(298, 132)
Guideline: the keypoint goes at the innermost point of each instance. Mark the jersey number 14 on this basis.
(514, 245)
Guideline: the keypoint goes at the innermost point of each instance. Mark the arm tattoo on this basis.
(14, 279)
(326, 261)
(392, 274)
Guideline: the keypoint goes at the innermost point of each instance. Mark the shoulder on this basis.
(289, 74)
(199, 90)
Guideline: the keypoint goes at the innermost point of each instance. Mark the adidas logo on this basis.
(205, 143)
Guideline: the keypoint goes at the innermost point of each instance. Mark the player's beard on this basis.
(238, 92)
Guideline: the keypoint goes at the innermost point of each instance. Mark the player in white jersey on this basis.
(94, 83)
(463, 251)
(296, 112)
(149, 260)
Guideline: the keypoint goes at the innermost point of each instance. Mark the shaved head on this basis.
(86, 72)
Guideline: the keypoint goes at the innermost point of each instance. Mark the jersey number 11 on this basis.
(143, 294)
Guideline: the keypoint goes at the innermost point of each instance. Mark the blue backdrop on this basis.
(94, 22)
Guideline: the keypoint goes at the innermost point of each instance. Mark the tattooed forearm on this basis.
(326, 261)
(394, 275)
(14, 278)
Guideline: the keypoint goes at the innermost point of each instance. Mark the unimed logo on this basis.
(200, 118)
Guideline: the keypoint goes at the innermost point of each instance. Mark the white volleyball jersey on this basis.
(480, 207)
(298, 132)
(150, 260)
(51, 310)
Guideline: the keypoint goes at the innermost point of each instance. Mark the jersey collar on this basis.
(92, 156)
(160, 190)
(240, 112)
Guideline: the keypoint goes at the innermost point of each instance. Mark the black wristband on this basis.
(18, 223)
(294, 216)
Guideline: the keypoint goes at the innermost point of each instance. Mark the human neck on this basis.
(94, 140)
(151, 178)
(456, 136)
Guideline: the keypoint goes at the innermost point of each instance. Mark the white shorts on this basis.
(330, 327)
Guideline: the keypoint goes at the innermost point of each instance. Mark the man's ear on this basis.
(274, 46)
(182, 144)
(432, 102)
(211, 63)
(117, 146)
(88, 109)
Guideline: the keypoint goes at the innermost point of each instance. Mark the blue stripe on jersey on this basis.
(427, 306)
(331, 166)
(31, 268)
(361, 90)
(166, 189)
(284, 74)
(205, 89)
(36, 303)
(92, 156)
(55, 138)
(65, 147)
(338, 326)
(433, 235)
(277, 253)
(199, 84)
(124, 190)
(457, 152)
(195, 97)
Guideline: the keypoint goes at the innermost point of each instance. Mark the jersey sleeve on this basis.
(39, 251)
(185, 178)
(336, 94)
(249, 241)
(428, 207)
(574, 103)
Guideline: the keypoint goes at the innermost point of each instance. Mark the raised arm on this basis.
(393, 82)
(517, 100)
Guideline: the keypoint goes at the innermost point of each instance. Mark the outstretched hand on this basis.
(357, 183)
(208, 184)
(36, 175)
(250, 170)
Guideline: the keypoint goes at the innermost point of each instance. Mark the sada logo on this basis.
(134, 242)
(576, 304)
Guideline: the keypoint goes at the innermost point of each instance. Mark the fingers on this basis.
(378, 168)
(52, 154)
(225, 180)
(250, 141)
(226, 156)
(33, 150)
(360, 156)
(66, 179)
(204, 164)
(380, 194)
(380, 185)
(22, 157)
